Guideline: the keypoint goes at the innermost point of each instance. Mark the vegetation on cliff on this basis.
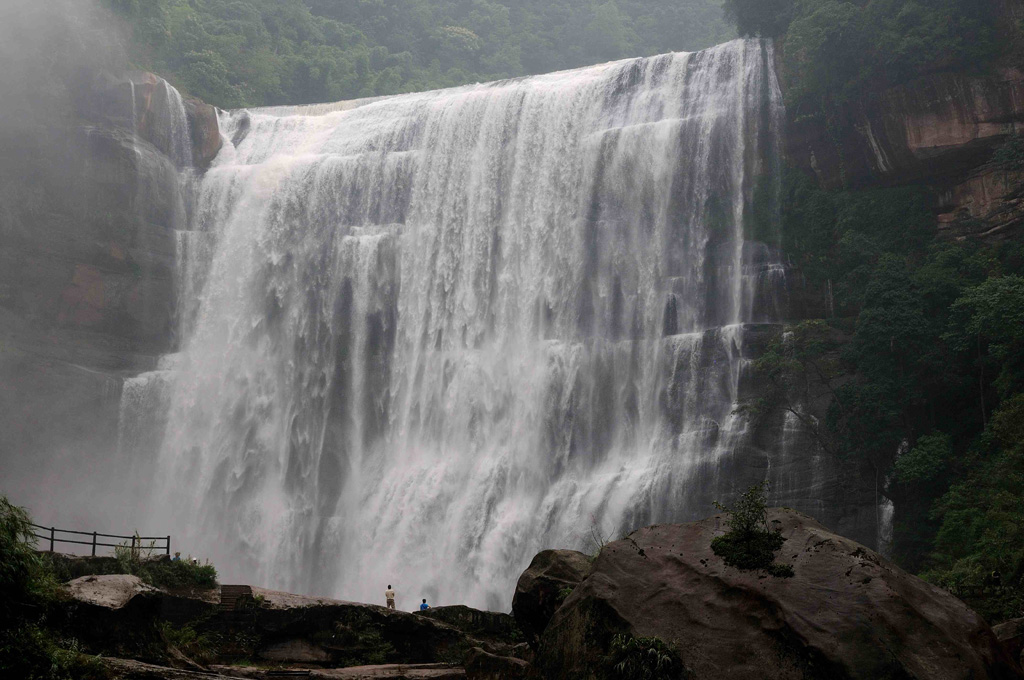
(30, 646)
(236, 53)
(836, 50)
(921, 352)
(34, 642)
(922, 356)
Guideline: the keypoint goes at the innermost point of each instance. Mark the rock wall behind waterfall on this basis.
(431, 334)
(92, 196)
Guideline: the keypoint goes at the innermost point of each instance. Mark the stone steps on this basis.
(231, 595)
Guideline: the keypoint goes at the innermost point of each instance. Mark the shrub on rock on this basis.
(846, 614)
(750, 542)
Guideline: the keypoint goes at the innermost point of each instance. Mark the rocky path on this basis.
(127, 669)
(385, 672)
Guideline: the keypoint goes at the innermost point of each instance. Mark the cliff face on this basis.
(939, 130)
(87, 262)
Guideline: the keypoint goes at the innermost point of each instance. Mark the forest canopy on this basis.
(836, 49)
(236, 53)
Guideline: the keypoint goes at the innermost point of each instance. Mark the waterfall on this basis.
(143, 398)
(434, 333)
(180, 143)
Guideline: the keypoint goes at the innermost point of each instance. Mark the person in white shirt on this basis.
(389, 595)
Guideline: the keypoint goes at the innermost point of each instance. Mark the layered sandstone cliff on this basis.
(940, 130)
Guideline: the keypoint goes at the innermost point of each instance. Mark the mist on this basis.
(60, 370)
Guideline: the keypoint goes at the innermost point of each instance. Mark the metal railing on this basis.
(54, 536)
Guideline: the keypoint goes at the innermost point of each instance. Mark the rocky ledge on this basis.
(845, 613)
(244, 631)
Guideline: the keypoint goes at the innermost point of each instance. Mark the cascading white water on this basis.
(180, 144)
(438, 332)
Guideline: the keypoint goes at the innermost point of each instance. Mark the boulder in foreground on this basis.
(847, 613)
(543, 587)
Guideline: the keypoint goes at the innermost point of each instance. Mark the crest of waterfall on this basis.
(431, 334)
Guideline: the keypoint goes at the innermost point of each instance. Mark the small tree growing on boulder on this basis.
(750, 542)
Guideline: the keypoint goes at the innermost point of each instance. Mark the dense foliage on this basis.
(922, 356)
(29, 647)
(163, 572)
(255, 52)
(642, 658)
(156, 571)
(750, 542)
(33, 642)
(835, 50)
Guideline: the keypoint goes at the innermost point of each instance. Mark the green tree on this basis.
(261, 52)
(751, 543)
(926, 461)
(979, 549)
(608, 35)
(29, 648)
(991, 315)
(767, 18)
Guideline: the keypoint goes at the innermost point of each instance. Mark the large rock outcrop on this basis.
(204, 130)
(185, 130)
(110, 591)
(481, 665)
(847, 613)
(1011, 636)
(936, 127)
(543, 587)
(119, 615)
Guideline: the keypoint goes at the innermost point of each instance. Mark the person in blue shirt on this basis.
(424, 605)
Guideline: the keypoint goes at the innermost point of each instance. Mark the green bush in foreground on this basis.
(750, 543)
(643, 658)
(29, 648)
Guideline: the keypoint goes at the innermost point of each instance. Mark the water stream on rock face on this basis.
(431, 334)
(180, 146)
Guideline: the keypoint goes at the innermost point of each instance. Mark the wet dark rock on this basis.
(483, 666)
(542, 588)
(204, 130)
(129, 669)
(119, 615)
(938, 125)
(496, 627)
(376, 672)
(847, 613)
(1011, 636)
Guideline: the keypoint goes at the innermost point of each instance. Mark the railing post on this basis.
(52, 530)
(168, 546)
(94, 544)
